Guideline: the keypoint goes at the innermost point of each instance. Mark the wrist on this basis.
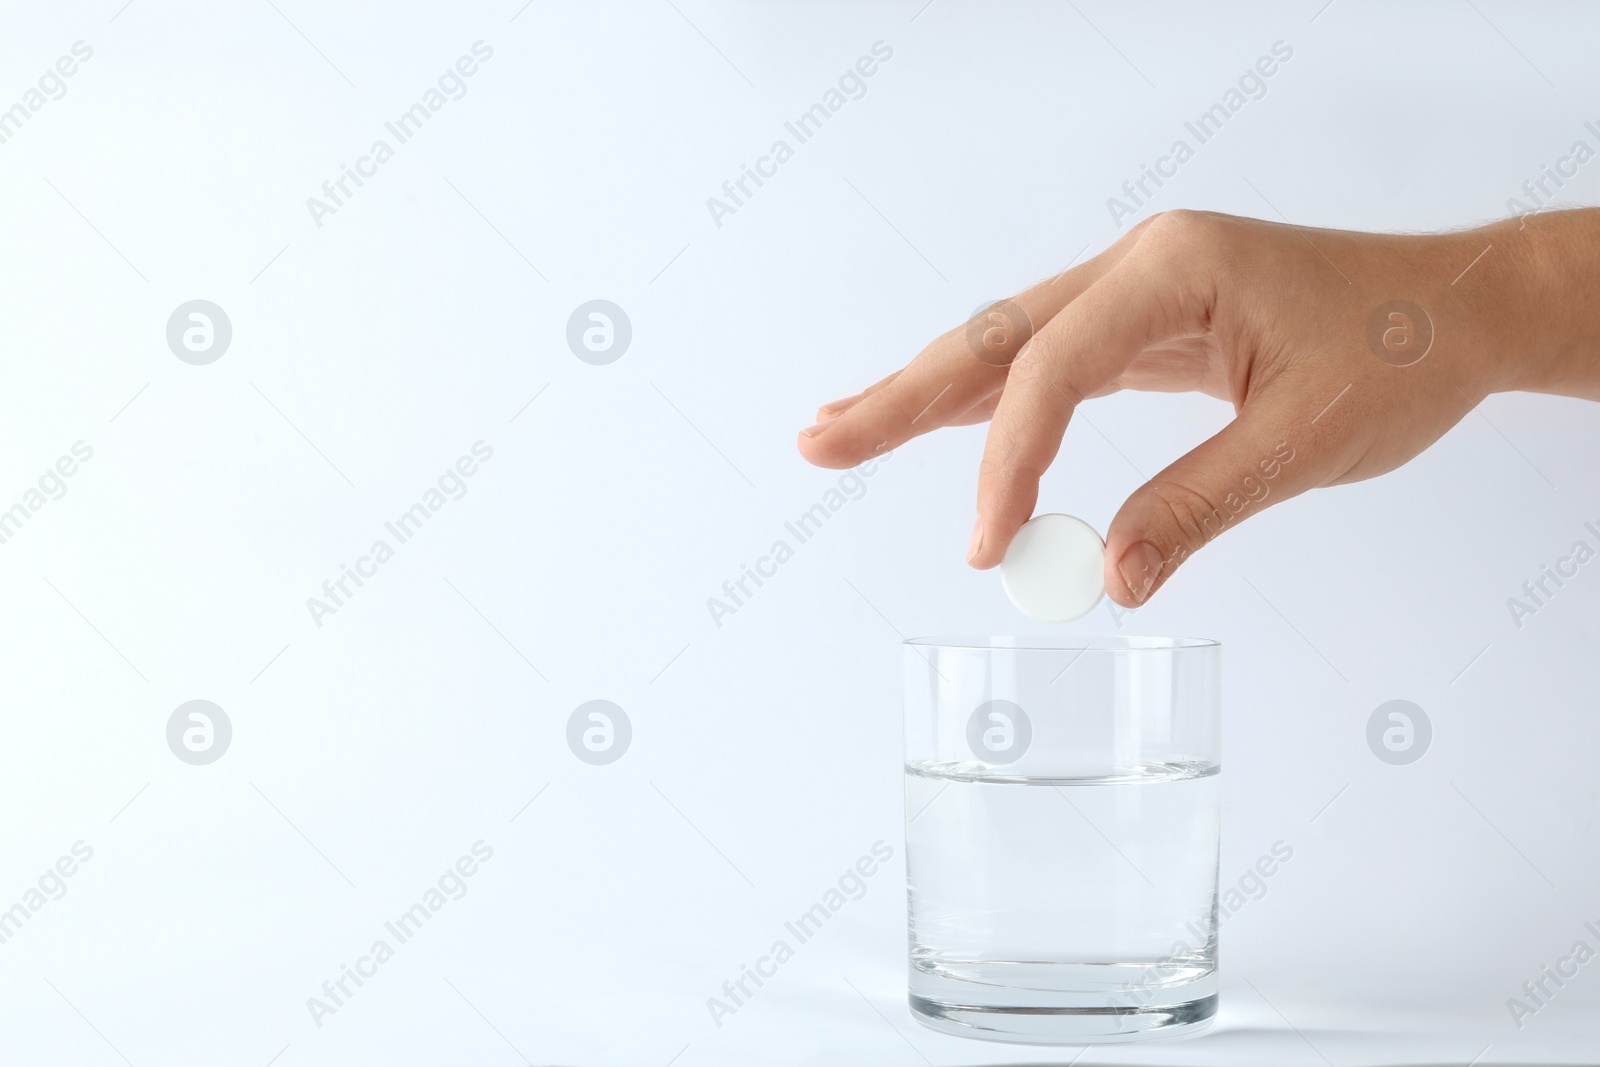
(1541, 294)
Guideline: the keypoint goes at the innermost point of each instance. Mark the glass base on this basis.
(1067, 1026)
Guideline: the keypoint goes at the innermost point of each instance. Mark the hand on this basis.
(1274, 319)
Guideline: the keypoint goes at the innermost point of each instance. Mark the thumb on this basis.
(1245, 468)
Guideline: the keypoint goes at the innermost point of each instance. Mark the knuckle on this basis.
(1195, 518)
(1043, 373)
(1034, 365)
(1183, 228)
(1178, 222)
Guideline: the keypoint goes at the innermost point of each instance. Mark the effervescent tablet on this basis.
(1053, 569)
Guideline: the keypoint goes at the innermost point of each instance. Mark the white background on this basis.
(372, 351)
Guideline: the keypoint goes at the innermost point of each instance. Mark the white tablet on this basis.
(1053, 569)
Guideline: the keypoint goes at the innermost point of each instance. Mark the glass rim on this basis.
(1128, 644)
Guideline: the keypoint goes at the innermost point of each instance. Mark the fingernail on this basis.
(977, 539)
(1140, 567)
(812, 431)
(833, 407)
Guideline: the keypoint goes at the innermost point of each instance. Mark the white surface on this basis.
(369, 754)
(1053, 569)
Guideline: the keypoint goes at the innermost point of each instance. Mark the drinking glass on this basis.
(1062, 830)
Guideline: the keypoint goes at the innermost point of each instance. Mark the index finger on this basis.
(955, 374)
